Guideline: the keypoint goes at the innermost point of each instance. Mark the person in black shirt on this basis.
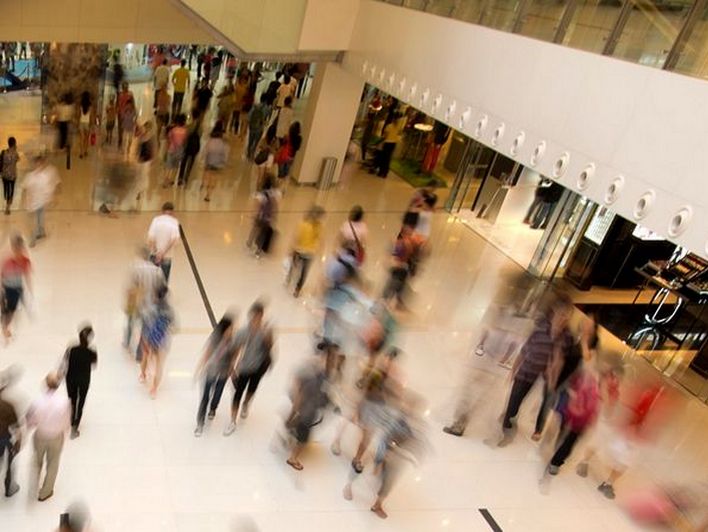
(79, 361)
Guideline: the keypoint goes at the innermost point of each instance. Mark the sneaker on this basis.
(607, 490)
(453, 430)
(582, 469)
(198, 431)
(230, 428)
(479, 351)
(244, 412)
(14, 488)
(553, 469)
(74, 433)
(211, 415)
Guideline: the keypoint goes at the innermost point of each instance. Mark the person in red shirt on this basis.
(14, 276)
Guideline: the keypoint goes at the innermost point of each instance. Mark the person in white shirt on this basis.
(50, 415)
(161, 79)
(39, 186)
(285, 90)
(162, 236)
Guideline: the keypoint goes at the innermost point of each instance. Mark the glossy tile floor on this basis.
(137, 464)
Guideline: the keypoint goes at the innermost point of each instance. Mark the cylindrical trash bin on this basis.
(326, 180)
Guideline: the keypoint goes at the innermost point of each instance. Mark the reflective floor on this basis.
(139, 468)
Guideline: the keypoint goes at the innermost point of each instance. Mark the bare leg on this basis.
(159, 357)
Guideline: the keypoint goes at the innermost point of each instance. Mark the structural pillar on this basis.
(328, 122)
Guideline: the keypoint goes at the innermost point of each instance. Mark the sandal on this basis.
(295, 465)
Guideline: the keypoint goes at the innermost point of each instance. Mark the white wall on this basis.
(647, 125)
(328, 122)
(328, 24)
(256, 26)
(141, 21)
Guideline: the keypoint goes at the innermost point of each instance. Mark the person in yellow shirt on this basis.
(180, 82)
(391, 137)
(307, 242)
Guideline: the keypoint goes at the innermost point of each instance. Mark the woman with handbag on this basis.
(252, 359)
(355, 230)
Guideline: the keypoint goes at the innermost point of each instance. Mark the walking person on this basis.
(548, 339)
(64, 114)
(79, 361)
(180, 85)
(161, 78)
(145, 155)
(262, 231)
(145, 278)
(253, 346)
(355, 230)
(284, 119)
(288, 149)
(39, 186)
(191, 149)
(157, 323)
(110, 116)
(8, 168)
(10, 436)
(216, 153)
(176, 143)
(579, 413)
(128, 119)
(309, 398)
(214, 367)
(257, 119)
(124, 96)
(50, 416)
(162, 111)
(391, 137)
(85, 112)
(163, 234)
(15, 275)
(307, 242)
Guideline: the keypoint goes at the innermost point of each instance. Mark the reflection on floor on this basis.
(139, 468)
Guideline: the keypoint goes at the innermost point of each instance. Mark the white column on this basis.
(328, 122)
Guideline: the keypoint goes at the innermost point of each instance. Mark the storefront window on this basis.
(694, 56)
(500, 14)
(651, 30)
(542, 18)
(592, 24)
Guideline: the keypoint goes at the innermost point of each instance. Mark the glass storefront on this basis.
(643, 289)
